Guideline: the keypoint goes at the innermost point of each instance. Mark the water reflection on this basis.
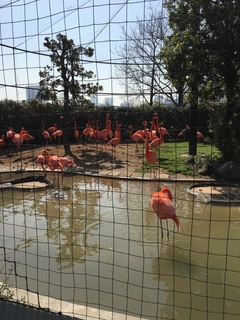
(97, 242)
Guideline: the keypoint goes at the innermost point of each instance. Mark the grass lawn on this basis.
(175, 158)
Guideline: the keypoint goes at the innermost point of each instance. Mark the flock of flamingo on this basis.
(153, 136)
(161, 201)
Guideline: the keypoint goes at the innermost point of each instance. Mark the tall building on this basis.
(158, 98)
(109, 101)
(94, 100)
(31, 92)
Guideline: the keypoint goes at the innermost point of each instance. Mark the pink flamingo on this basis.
(65, 162)
(52, 129)
(45, 135)
(159, 128)
(54, 162)
(16, 139)
(57, 134)
(156, 141)
(42, 161)
(162, 205)
(201, 136)
(88, 131)
(185, 132)
(10, 133)
(104, 133)
(114, 142)
(76, 132)
(135, 137)
(96, 132)
(2, 141)
(151, 155)
(26, 137)
(109, 130)
(141, 132)
(92, 132)
(153, 130)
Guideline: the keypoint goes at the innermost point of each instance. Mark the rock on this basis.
(229, 170)
(204, 171)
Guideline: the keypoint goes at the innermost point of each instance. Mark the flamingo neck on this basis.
(131, 132)
(147, 143)
(167, 192)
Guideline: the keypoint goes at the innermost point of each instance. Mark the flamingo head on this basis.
(45, 154)
(167, 192)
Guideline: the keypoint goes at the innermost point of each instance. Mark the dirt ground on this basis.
(89, 158)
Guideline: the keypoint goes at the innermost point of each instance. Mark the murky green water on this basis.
(96, 242)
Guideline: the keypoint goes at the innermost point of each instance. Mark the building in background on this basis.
(94, 100)
(31, 92)
(158, 99)
(109, 101)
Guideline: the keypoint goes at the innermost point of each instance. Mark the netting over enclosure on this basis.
(83, 231)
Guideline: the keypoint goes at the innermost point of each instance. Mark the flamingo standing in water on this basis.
(65, 162)
(162, 205)
(42, 162)
(53, 162)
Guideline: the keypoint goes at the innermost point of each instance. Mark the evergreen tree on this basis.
(66, 77)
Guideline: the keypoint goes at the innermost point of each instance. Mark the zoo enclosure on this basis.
(24, 25)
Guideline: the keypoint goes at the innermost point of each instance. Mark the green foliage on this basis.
(5, 289)
(70, 80)
(203, 53)
(66, 77)
(174, 158)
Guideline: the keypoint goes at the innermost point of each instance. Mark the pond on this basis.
(96, 242)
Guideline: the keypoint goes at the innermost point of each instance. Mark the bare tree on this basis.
(139, 70)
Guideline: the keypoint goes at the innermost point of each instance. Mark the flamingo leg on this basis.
(161, 228)
(44, 170)
(136, 149)
(167, 228)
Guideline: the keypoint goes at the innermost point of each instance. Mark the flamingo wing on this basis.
(66, 162)
(162, 206)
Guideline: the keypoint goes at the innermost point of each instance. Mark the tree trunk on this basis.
(231, 121)
(193, 121)
(180, 95)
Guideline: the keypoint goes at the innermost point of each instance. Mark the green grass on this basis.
(174, 157)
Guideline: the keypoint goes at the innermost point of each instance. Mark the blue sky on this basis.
(96, 23)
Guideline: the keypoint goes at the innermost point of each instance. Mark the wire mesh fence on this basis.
(84, 239)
